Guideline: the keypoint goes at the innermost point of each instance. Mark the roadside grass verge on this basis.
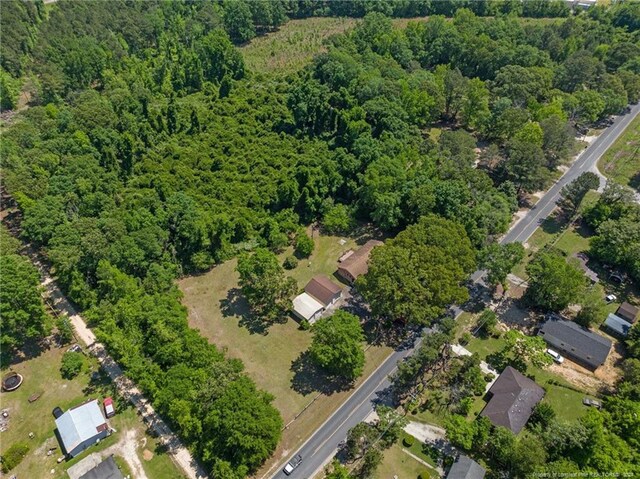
(621, 162)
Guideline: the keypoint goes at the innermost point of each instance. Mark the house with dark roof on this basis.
(465, 468)
(107, 469)
(628, 312)
(81, 427)
(576, 342)
(357, 263)
(616, 325)
(324, 290)
(513, 397)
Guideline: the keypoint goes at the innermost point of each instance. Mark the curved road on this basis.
(320, 448)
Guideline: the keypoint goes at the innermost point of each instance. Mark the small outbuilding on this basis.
(107, 469)
(81, 427)
(307, 308)
(616, 325)
(628, 312)
(357, 263)
(324, 290)
(465, 468)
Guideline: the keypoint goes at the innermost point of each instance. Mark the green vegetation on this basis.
(621, 162)
(14, 456)
(554, 283)
(337, 345)
(71, 365)
(150, 153)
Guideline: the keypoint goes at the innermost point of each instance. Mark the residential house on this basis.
(307, 308)
(576, 342)
(356, 264)
(628, 312)
(465, 468)
(513, 397)
(616, 325)
(81, 427)
(107, 469)
(324, 290)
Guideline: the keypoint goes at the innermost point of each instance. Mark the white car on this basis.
(610, 298)
(292, 464)
(556, 357)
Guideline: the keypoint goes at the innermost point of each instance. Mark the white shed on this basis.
(307, 307)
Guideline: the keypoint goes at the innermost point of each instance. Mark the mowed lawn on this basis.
(621, 162)
(293, 45)
(397, 463)
(274, 356)
(42, 376)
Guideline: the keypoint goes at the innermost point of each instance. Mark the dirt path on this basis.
(126, 448)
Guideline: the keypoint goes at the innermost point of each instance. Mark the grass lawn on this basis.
(566, 402)
(621, 162)
(274, 356)
(42, 376)
(293, 45)
(417, 449)
(398, 463)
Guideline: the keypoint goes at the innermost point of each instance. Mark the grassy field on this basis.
(566, 402)
(397, 463)
(293, 45)
(42, 376)
(274, 356)
(621, 162)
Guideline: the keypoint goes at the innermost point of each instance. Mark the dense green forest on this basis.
(150, 152)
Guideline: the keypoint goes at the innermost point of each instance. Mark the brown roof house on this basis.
(628, 312)
(513, 397)
(324, 290)
(356, 264)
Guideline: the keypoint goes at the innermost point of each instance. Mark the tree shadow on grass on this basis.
(235, 305)
(309, 378)
(634, 182)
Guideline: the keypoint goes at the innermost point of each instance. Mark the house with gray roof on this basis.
(465, 468)
(107, 469)
(616, 325)
(513, 397)
(576, 342)
(81, 427)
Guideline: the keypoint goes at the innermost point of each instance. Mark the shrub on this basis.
(14, 456)
(290, 262)
(305, 325)
(408, 441)
(304, 245)
(465, 338)
(424, 475)
(65, 330)
(71, 366)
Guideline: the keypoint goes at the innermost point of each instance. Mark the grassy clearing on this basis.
(274, 356)
(621, 162)
(397, 463)
(293, 45)
(42, 376)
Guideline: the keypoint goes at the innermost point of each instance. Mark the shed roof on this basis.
(356, 264)
(306, 306)
(617, 324)
(577, 341)
(628, 312)
(322, 289)
(513, 397)
(79, 424)
(465, 468)
(107, 469)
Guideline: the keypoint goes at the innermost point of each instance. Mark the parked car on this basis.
(76, 348)
(57, 412)
(109, 410)
(611, 298)
(292, 464)
(556, 357)
(592, 402)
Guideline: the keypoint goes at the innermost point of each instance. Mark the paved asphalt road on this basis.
(323, 444)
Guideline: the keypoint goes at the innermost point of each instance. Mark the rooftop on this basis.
(322, 289)
(107, 469)
(466, 468)
(628, 312)
(306, 306)
(356, 264)
(617, 324)
(79, 424)
(513, 397)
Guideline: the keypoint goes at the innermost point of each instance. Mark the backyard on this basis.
(621, 162)
(397, 463)
(42, 377)
(274, 356)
